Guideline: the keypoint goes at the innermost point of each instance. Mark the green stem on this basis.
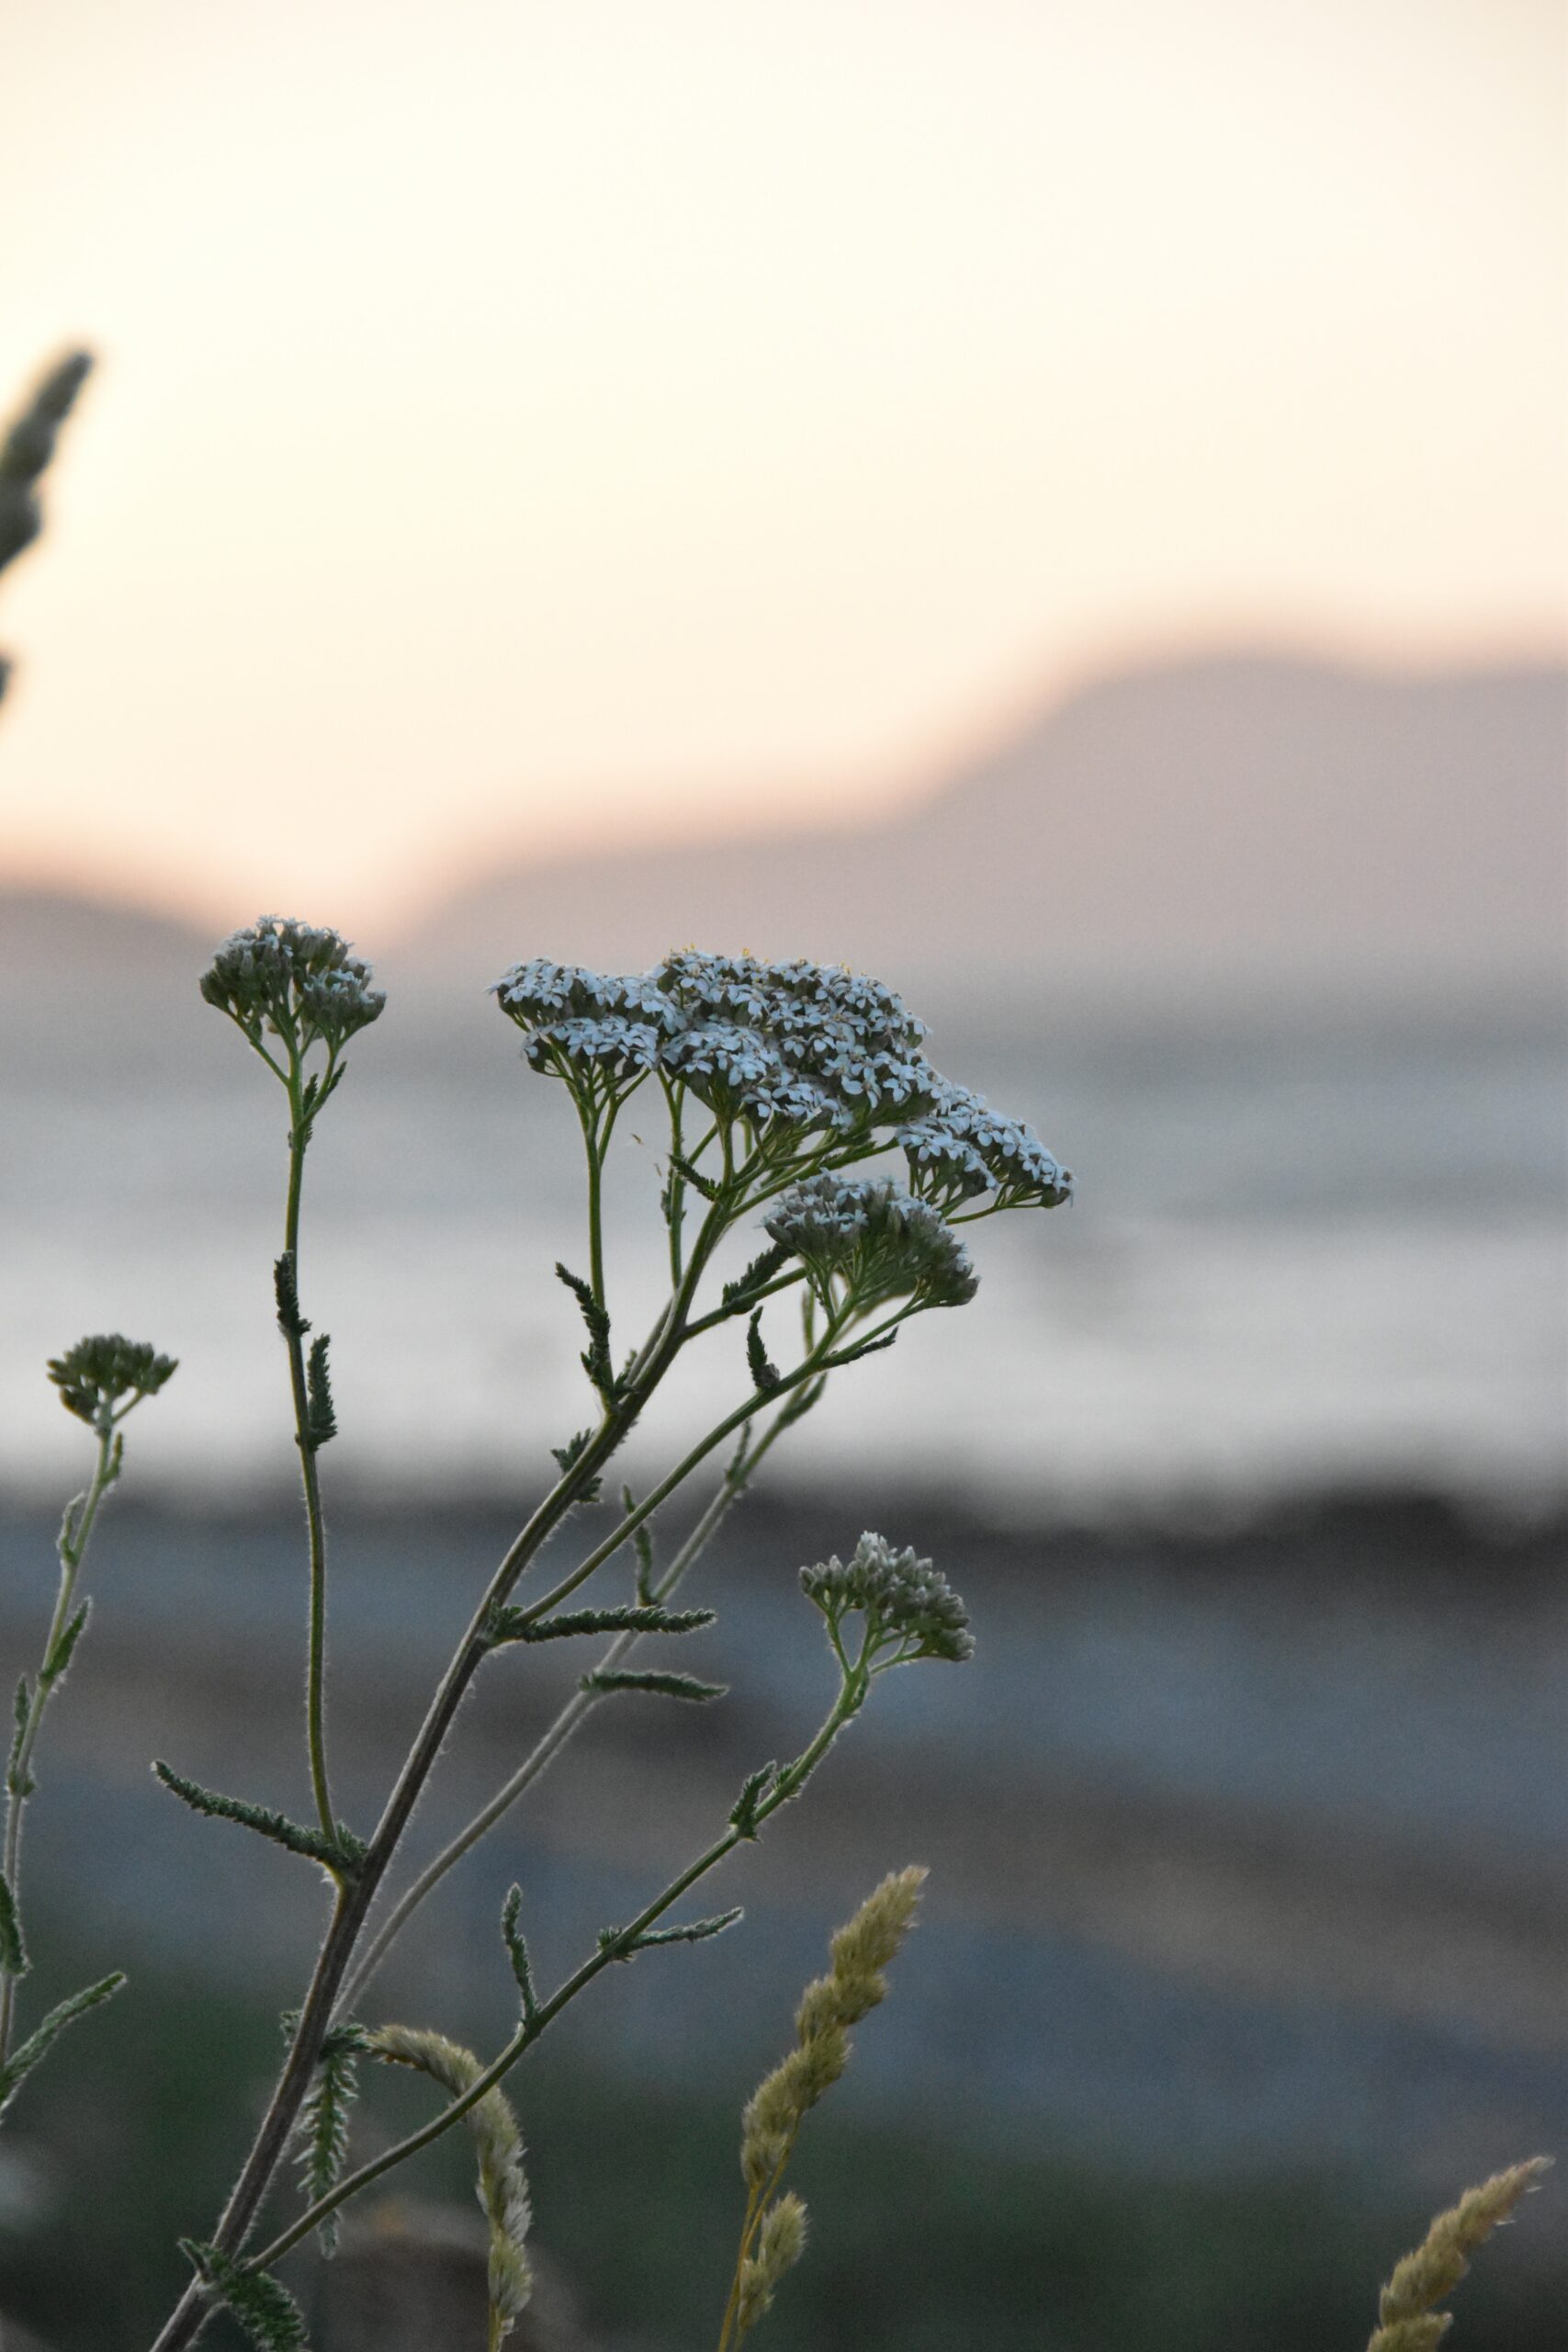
(557, 1735)
(315, 1523)
(74, 1536)
(787, 1786)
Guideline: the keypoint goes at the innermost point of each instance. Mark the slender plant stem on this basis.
(75, 1537)
(355, 1896)
(315, 1522)
(788, 1785)
(556, 1735)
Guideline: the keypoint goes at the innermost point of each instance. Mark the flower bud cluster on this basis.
(94, 1376)
(811, 1048)
(879, 1241)
(300, 983)
(907, 1603)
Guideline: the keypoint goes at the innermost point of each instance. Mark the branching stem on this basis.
(74, 1536)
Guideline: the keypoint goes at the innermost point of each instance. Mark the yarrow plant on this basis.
(816, 1172)
(814, 1166)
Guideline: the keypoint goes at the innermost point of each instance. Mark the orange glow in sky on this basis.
(521, 424)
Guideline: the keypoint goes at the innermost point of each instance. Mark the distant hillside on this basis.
(1205, 829)
(1218, 820)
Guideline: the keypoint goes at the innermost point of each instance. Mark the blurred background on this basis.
(1063, 510)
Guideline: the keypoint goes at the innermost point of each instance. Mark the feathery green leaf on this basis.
(320, 1417)
(744, 1818)
(513, 1625)
(343, 1853)
(263, 2306)
(324, 2121)
(595, 1359)
(290, 1322)
(58, 1658)
(765, 1374)
(26, 2055)
(663, 1686)
(517, 1951)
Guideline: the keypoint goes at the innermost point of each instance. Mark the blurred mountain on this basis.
(1227, 825)
(1241, 819)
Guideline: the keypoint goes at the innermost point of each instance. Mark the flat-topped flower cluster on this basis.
(813, 1050)
(296, 980)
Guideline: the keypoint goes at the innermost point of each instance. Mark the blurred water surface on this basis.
(1308, 1251)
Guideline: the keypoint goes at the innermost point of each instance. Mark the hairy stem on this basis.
(74, 1535)
(557, 1735)
(788, 1785)
(315, 1522)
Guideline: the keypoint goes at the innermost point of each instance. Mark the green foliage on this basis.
(765, 1374)
(693, 1176)
(647, 1617)
(595, 1358)
(324, 2120)
(264, 2307)
(606, 1680)
(321, 1417)
(567, 1458)
(745, 1818)
(693, 1931)
(341, 1854)
(54, 1667)
(762, 1270)
(17, 1782)
(13, 1959)
(25, 2056)
(517, 1952)
(286, 1290)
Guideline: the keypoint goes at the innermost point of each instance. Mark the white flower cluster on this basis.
(878, 1240)
(814, 1047)
(903, 1600)
(302, 983)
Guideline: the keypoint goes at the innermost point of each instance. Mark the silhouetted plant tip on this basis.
(25, 453)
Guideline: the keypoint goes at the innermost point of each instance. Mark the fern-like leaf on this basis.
(661, 1686)
(263, 2306)
(514, 1625)
(324, 2121)
(26, 2055)
(765, 1374)
(341, 1854)
(321, 1415)
(595, 1359)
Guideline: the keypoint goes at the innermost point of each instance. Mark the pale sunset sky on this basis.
(525, 425)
